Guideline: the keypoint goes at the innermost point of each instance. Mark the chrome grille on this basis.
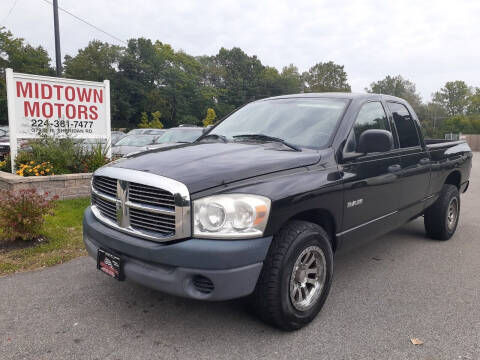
(107, 208)
(164, 224)
(146, 205)
(149, 195)
(105, 185)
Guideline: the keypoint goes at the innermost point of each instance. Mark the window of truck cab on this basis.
(372, 115)
(406, 129)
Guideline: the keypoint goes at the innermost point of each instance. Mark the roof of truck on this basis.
(338, 95)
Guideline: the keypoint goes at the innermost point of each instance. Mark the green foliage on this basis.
(189, 120)
(65, 155)
(95, 158)
(21, 57)
(63, 232)
(6, 164)
(210, 118)
(399, 87)
(326, 77)
(150, 77)
(154, 124)
(144, 122)
(462, 124)
(22, 214)
(453, 97)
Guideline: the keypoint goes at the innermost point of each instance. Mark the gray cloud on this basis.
(428, 42)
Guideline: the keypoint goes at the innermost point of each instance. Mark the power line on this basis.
(9, 12)
(88, 23)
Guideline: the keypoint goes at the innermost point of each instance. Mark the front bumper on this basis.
(232, 266)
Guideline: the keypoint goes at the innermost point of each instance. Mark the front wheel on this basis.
(441, 218)
(296, 276)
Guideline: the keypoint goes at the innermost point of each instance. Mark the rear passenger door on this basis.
(372, 190)
(415, 160)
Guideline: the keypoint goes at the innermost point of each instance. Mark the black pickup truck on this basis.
(259, 205)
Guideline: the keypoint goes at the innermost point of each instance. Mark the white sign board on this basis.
(57, 106)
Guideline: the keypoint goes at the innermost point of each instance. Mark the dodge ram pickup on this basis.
(259, 204)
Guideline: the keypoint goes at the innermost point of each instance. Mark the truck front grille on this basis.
(154, 212)
(144, 194)
(105, 185)
(107, 208)
(144, 220)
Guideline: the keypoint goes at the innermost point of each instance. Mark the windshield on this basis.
(303, 122)
(136, 140)
(154, 132)
(136, 131)
(180, 135)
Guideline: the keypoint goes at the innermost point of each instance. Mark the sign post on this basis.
(11, 115)
(57, 107)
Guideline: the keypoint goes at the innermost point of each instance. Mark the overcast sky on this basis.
(427, 42)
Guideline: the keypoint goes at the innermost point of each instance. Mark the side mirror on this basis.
(374, 140)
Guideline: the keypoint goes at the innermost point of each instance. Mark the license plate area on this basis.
(110, 264)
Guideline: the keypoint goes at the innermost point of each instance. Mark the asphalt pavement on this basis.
(385, 292)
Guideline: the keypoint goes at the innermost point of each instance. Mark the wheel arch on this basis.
(454, 178)
(323, 218)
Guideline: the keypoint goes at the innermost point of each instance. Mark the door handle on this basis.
(394, 168)
(424, 161)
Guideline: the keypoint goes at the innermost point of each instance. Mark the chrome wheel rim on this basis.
(308, 278)
(452, 213)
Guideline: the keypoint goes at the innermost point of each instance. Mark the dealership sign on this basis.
(58, 107)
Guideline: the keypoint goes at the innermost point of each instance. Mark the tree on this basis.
(291, 80)
(99, 61)
(210, 118)
(399, 87)
(326, 77)
(21, 57)
(156, 123)
(453, 97)
(144, 122)
(474, 103)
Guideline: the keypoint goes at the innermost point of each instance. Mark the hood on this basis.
(204, 165)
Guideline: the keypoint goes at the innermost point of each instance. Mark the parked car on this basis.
(146, 132)
(181, 134)
(132, 143)
(117, 135)
(260, 204)
(4, 142)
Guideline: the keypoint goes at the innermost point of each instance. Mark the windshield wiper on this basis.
(214, 136)
(267, 138)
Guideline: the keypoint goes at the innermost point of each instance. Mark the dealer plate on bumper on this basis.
(110, 264)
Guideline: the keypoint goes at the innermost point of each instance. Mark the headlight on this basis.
(230, 216)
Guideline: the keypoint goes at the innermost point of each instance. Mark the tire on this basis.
(272, 299)
(438, 220)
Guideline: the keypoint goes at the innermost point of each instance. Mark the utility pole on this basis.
(58, 55)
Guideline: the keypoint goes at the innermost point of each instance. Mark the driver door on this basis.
(372, 189)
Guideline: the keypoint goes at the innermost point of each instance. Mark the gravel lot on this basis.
(385, 292)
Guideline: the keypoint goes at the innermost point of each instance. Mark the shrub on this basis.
(32, 169)
(95, 158)
(65, 156)
(6, 164)
(22, 213)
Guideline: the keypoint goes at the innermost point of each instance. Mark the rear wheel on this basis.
(296, 276)
(441, 218)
